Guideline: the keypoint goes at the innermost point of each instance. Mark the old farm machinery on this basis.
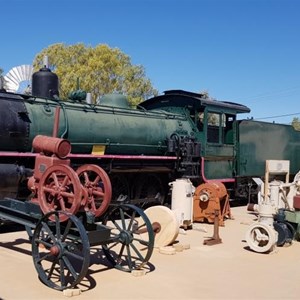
(69, 212)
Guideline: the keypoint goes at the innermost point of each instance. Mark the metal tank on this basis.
(182, 200)
(261, 141)
(111, 126)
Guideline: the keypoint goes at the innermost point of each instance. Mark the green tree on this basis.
(100, 70)
(296, 124)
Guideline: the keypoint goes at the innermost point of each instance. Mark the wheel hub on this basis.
(125, 237)
(55, 250)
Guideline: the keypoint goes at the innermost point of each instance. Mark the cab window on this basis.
(219, 128)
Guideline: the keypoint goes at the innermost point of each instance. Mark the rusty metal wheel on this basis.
(60, 189)
(98, 186)
(60, 251)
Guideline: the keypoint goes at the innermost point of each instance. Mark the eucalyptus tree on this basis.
(98, 70)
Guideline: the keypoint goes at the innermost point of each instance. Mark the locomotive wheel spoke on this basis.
(130, 249)
(62, 259)
(98, 188)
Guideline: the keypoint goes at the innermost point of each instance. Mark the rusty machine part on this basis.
(56, 186)
(208, 198)
(60, 189)
(51, 145)
(216, 238)
(96, 183)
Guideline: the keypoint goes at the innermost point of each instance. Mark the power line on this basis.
(274, 94)
(279, 116)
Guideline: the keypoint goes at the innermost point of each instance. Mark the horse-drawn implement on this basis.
(69, 212)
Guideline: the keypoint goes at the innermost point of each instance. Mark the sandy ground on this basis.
(225, 271)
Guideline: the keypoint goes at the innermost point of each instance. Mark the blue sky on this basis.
(245, 51)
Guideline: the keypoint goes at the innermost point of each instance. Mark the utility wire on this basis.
(279, 116)
(274, 94)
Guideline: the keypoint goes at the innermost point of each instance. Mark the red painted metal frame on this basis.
(133, 157)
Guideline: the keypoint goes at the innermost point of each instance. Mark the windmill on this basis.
(18, 79)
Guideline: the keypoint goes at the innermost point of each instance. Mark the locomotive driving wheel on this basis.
(60, 189)
(60, 251)
(121, 190)
(98, 186)
(132, 238)
(149, 187)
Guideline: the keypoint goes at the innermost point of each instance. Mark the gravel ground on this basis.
(224, 271)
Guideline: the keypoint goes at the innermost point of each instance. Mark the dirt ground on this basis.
(225, 271)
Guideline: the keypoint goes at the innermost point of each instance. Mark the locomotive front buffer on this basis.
(70, 212)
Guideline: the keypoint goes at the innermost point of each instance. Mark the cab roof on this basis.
(181, 98)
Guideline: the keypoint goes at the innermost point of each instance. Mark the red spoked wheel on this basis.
(97, 183)
(60, 190)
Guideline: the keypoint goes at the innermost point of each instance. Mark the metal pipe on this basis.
(56, 122)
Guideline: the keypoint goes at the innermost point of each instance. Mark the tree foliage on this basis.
(296, 124)
(100, 70)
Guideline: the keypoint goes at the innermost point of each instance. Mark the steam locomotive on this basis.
(178, 134)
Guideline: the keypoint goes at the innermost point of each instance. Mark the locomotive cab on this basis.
(213, 124)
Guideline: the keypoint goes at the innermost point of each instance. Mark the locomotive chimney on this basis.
(44, 82)
(46, 62)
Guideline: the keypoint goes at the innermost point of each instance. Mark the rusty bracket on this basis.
(216, 238)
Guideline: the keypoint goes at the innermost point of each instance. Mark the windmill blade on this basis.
(18, 78)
